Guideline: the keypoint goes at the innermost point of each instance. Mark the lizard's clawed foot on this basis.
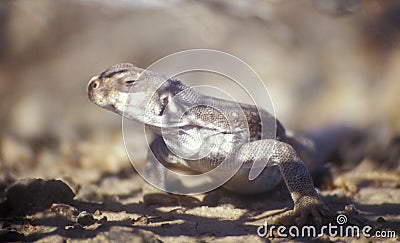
(307, 211)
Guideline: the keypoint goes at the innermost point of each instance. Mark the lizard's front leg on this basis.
(158, 183)
(155, 175)
(295, 174)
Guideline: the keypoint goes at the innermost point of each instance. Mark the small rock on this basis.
(142, 220)
(86, 219)
(30, 195)
(351, 209)
(97, 213)
(381, 220)
(64, 210)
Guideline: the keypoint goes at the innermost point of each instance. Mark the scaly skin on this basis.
(162, 103)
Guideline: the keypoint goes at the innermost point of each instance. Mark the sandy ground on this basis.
(322, 64)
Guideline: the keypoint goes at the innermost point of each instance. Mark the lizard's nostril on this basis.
(93, 84)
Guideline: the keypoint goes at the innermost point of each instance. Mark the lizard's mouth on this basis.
(110, 107)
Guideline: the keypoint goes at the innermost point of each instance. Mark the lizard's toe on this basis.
(314, 211)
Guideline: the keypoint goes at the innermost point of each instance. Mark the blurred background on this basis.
(323, 61)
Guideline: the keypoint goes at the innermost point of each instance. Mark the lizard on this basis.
(155, 99)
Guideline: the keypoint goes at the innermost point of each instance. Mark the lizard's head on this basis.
(130, 91)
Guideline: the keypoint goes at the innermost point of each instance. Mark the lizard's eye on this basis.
(130, 82)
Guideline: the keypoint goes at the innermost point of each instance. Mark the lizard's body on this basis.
(224, 128)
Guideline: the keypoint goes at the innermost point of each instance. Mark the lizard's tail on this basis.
(321, 145)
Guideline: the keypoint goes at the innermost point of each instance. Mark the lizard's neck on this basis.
(176, 99)
(159, 108)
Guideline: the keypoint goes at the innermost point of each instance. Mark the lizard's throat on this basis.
(140, 107)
